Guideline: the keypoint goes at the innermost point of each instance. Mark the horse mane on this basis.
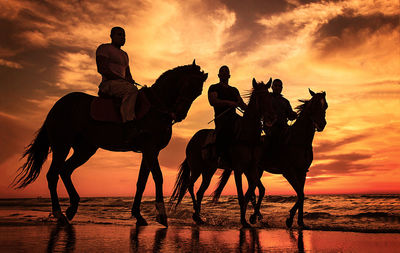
(300, 108)
(176, 72)
(247, 95)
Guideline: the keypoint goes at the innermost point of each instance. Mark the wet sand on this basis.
(155, 238)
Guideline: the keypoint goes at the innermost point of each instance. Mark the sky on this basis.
(350, 49)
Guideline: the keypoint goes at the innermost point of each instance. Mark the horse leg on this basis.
(200, 193)
(140, 185)
(238, 181)
(302, 180)
(193, 179)
(80, 156)
(158, 180)
(257, 205)
(252, 182)
(59, 156)
(292, 179)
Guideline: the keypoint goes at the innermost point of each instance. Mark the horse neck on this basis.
(165, 94)
(303, 130)
(251, 125)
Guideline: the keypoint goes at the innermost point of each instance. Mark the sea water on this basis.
(357, 213)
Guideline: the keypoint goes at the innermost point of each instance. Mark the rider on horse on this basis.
(224, 98)
(113, 65)
(284, 112)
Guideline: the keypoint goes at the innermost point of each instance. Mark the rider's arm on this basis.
(103, 68)
(128, 76)
(292, 115)
(241, 103)
(215, 101)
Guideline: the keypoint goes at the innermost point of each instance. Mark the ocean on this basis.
(354, 213)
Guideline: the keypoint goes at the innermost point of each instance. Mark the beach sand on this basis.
(155, 238)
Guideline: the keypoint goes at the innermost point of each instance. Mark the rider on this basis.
(113, 65)
(284, 112)
(224, 98)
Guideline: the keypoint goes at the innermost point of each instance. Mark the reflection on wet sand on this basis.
(159, 238)
(299, 240)
(62, 238)
(200, 239)
(67, 241)
(252, 244)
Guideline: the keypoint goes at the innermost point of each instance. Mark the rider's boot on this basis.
(130, 131)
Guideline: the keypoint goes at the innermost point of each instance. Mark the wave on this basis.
(317, 215)
(381, 196)
(281, 199)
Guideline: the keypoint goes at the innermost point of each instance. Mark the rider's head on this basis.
(277, 86)
(117, 36)
(224, 74)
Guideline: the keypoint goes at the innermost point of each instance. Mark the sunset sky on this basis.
(350, 49)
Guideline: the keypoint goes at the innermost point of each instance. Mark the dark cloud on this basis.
(338, 167)
(341, 164)
(247, 14)
(314, 180)
(349, 30)
(345, 157)
(303, 2)
(328, 146)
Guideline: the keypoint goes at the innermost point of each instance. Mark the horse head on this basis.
(316, 109)
(261, 98)
(191, 84)
(182, 85)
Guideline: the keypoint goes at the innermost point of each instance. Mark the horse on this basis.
(293, 159)
(69, 125)
(195, 164)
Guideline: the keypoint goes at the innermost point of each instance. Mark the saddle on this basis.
(209, 149)
(107, 109)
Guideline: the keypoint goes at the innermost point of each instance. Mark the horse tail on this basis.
(223, 179)
(36, 154)
(182, 183)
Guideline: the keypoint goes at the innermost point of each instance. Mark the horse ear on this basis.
(255, 84)
(194, 62)
(269, 83)
(311, 92)
(205, 76)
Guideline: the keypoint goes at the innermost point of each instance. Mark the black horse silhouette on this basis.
(69, 125)
(242, 155)
(294, 157)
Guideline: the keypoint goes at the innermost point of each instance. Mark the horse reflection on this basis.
(67, 241)
(251, 245)
(299, 240)
(159, 238)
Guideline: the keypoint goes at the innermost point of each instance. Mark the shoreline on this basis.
(172, 224)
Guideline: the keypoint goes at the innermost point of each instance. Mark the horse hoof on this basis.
(301, 225)
(61, 219)
(289, 222)
(197, 219)
(253, 219)
(162, 219)
(141, 222)
(71, 211)
(245, 224)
